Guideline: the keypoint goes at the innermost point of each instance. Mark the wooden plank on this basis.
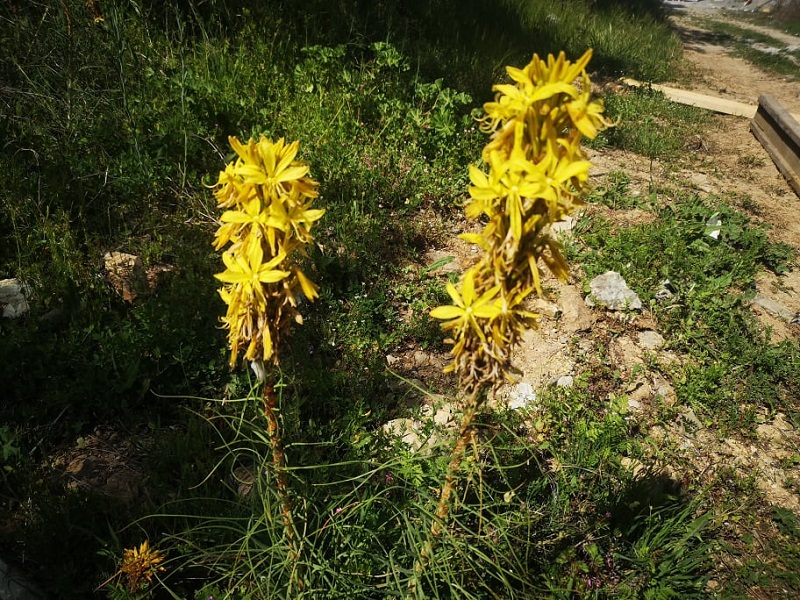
(779, 133)
(720, 105)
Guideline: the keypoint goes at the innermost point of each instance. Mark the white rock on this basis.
(611, 290)
(12, 298)
(565, 381)
(406, 429)
(444, 416)
(521, 396)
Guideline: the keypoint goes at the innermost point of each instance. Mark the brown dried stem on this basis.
(282, 484)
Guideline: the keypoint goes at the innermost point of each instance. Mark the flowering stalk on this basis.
(281, 482)
(537, 172)
(267, 195)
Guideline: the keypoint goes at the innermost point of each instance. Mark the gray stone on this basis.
(650, 340)
(12, 298)
(665, 290)
(773, 307)
(611, 291)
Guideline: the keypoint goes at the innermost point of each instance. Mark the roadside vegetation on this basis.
(115, 118)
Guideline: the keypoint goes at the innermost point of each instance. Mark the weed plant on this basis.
(651, 125)
(550, 512)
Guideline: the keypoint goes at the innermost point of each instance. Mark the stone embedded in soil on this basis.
(406, 429)
(129, 278)
(126, 274)
(564, 381)
(546, 309)
(563, 229)
(650, 340)
(447, 262)
(625, 353)
(81, 467)
(421, 359)
(12, 298)
(774, 307)
(575, 316)
(611, 291)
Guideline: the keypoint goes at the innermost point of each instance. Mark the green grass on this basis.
(649, 124)
(110, 132)
(786, 19)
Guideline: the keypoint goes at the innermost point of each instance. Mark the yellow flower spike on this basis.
(268, 194)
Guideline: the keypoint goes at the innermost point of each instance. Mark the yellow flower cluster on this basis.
(537, 171)
(139, 565)
(268, 197)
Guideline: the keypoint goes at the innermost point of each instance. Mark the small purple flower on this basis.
(338, 510)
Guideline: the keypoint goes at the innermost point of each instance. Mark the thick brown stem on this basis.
(281, 481)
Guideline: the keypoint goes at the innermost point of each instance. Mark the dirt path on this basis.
(717, 73)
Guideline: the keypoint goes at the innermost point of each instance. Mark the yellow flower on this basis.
(536, 172)
(537, 82)
(249, 272)
(272, 165)
(139, 565)
(587, 116)
(235, 222)
(292, 210)
(467, 308)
